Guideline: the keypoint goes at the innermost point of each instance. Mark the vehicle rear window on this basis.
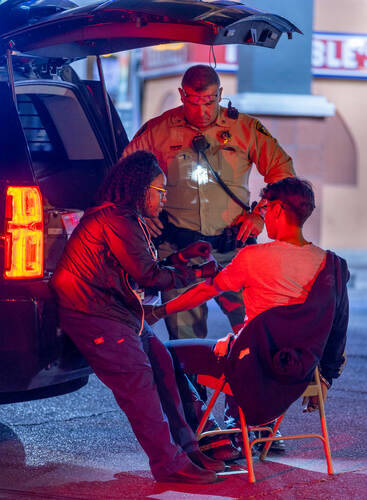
(67, 159)
(54, 120)
(31, 109)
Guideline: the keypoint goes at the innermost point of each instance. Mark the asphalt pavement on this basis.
(80, 446)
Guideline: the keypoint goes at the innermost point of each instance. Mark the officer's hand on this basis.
(196, 249)
(222, 346)
(251, 225)
(155, 226)
(207, 270)
(312, 403)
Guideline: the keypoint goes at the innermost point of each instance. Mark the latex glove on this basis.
(223, 345)
(251, 225)
(311, 403)
(152, 314)
(206, 270)
(197, 249)
(155, 226)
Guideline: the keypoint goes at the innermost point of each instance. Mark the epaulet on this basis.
(157, 120)
(141, 130)
(232, 112)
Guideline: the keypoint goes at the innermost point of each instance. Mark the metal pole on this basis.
(9, 63)
(107, 105)
(135, 90)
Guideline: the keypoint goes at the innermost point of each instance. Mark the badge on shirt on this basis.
(225, 136)
(260, 127)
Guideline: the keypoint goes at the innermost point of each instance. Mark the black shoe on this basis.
(200, 459)
(219, 449)
(190, 473)
(276, 446)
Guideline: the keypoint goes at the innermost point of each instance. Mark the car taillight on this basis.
(23, 233)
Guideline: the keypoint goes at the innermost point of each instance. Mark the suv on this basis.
(59, 135)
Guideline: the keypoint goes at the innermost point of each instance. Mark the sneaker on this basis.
(276, 446)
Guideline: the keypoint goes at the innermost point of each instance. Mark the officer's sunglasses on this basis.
(200, 99)
(163, 192)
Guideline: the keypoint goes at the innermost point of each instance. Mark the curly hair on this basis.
(297, 196)
(129, 180)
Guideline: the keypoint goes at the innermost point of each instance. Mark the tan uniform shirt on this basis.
(195, 200)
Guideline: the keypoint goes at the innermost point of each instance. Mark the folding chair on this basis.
(220, 385)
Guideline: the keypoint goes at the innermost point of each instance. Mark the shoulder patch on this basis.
(141, 130)
(260, 127)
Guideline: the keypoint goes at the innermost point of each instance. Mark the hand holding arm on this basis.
(197, 249)
(206, 270)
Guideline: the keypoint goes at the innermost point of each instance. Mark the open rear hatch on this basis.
(80, 28)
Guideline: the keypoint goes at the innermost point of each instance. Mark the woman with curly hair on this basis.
(108, 259)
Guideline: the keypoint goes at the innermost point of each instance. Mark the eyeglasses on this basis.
(163, 192)
(200, 99)
(265, 205)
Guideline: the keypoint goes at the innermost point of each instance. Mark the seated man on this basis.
(297, 311)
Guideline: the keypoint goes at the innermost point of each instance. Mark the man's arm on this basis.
(273, 163)
(195, 296)
(232, 277)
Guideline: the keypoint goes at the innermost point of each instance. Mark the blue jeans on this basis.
(139, 372)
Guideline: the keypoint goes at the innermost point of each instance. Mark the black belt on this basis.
(182, 237)
(223, 243)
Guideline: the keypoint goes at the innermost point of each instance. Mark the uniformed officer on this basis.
(197, 206)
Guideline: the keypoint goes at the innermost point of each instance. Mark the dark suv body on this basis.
(58, 137)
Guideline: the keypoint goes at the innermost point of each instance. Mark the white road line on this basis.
(319, 465)
(179, 495)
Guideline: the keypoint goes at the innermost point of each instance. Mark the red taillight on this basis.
(23, 233)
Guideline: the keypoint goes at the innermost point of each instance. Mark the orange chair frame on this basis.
(221, 385)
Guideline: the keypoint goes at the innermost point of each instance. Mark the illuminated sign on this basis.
(339, 55)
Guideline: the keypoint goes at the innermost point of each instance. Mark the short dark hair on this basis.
(129, 180)
(296, 195)
(200, 77)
